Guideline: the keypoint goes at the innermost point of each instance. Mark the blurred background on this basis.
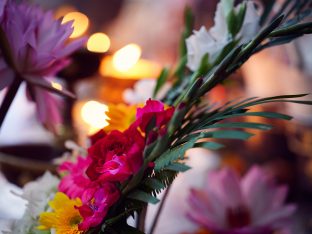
(131, 40)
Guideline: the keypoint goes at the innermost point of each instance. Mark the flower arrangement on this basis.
(142, 150)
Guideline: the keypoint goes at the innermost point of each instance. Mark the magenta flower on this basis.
(75, 182)
(39, 46)
(116, 156)
(96, 203)
(230, 205)
(153, 111)
(153, 108)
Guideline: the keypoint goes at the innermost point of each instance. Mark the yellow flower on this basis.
(121, 116)
(64, 218)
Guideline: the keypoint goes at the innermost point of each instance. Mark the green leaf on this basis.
(225, 51)
(154, 184)
(179, 167)
(240, 17)
(204, 65)
(260, 114)
(229, 134)
(174, 154)
(151, 125)
(227, 6)
(179, 69)
(143, 196)
(188, 27)
(162, 78)
(259, 126)
(232, 23)
(166, 177)
(209, 145)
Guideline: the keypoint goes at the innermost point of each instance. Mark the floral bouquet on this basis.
(143, 149)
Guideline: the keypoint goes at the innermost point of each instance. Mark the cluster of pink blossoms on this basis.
(112, 159)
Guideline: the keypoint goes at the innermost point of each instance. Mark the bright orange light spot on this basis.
(98, 42)
(126, 57)
(93, 114)
(142, 69)
(81, 23)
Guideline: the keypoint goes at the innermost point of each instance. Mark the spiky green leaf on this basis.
(174, 154)
(154, 184)
(178, 167)
(209, 145)
(161, 80)
(143, 196)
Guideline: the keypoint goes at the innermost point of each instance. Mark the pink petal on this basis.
(226, 185)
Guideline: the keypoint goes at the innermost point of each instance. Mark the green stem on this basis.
(8, 99)
(159, 210)
(141, 218)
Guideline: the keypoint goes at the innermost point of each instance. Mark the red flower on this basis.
(153, 108)
(116, 156)
(97, 136)
(96, 203)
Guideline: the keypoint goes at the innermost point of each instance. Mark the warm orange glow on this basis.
(126, 57)
(98, 42)
(56, 85)
(93, 114)
(81, 23)
(63, 10)
(142, 69)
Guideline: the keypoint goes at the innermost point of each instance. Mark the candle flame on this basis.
(126, 57)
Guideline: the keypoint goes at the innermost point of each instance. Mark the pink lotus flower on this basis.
(96, 203)
(75, 182)
(39, 49)
(230, 205)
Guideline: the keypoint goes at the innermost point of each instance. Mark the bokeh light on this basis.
(56, 85)
(98, 42)
(127, 57)
(81, 23)
(93, 114)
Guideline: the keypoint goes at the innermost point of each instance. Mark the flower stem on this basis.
(8, 99)
(141, 219)
(161, 205)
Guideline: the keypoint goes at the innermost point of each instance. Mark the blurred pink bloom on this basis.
(96, 203)
(250, 205)
(75, 182)
(39, 46)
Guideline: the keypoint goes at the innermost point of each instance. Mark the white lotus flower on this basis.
(214, 40)
(201, 43)
(143, 90)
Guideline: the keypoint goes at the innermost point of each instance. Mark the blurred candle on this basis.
(126, 64)
(126, 57)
